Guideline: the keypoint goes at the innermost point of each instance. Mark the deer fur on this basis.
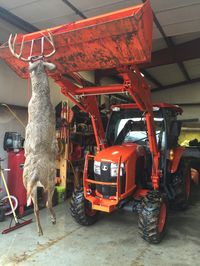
(40, 140)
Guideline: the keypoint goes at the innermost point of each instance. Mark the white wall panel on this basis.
(182, 28)
(42, 10)
(86, 5)
(193, 68)
(10, 4)
(186, 37)
(14, 90)
(160, 5)
(167, 74)
(158, 44)
(180, 14)
(182, 94)
(52, 22)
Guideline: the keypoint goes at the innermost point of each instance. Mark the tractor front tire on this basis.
(81, 209)
(182, 186)
(153, 217)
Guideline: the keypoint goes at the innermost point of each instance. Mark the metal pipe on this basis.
(100, 90)
(100, 182)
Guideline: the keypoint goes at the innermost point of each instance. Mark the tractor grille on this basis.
(105, 176)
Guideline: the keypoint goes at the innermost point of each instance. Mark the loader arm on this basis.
(140, 92)
(135, 85)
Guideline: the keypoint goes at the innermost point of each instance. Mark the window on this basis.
(138, 132)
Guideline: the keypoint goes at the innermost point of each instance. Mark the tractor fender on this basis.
(178, 152)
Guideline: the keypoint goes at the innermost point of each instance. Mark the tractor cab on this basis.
(127, 128)
(127, 142)
(127, 124)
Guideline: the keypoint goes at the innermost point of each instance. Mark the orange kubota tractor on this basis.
(138, 161)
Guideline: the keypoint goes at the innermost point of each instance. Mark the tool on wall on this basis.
(65, 117)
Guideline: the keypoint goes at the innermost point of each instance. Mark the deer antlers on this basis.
(31, 57)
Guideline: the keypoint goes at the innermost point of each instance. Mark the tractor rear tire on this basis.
(182, 186)
(81, 209)
(153, 217)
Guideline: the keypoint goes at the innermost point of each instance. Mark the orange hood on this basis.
(112, 154)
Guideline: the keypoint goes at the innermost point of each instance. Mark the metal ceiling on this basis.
(171, 18)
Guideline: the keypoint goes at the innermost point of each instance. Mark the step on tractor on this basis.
(138, 162)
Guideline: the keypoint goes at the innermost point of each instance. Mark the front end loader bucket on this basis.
(112, 40)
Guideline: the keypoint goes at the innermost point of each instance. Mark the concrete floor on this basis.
(114, 240)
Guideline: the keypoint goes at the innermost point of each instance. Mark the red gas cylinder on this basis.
(15, 178)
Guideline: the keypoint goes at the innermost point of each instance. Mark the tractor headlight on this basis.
(97, 167)
(114, 169)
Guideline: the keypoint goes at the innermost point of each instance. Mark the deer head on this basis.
(39, 66)
(31, 57)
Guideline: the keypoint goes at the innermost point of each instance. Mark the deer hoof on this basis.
(40, 233)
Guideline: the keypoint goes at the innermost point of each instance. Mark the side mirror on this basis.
(174, 132)
(175, 128)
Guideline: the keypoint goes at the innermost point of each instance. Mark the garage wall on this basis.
(14, 90)
(9, 123)
(183, 94)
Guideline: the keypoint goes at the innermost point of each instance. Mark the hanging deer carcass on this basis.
(40, 138)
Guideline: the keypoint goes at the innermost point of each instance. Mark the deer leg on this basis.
(49, 205)
(36, 210)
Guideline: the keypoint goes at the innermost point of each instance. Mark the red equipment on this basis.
(117, 40)
(19, 222)
(15, 178)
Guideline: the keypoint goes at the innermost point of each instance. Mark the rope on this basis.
(29, 89)
(14, 114)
